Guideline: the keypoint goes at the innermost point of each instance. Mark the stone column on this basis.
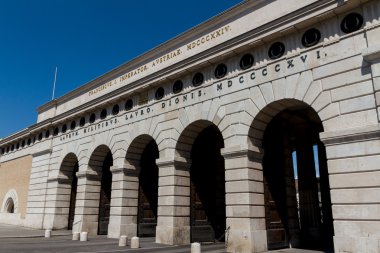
(87, 202)
(124, 202)
(371, 54)
(58, 202)
(354, 174)
(173, 221)
(245, 212)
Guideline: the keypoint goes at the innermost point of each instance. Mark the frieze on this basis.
(248, 78)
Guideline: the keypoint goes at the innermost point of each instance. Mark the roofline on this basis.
(152, 53)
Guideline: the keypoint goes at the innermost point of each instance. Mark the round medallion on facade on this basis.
(198, 79)
(160, 92)
(55, 133)
(220, 71)
(64, 128)
(92, 118)
(73, 125)
(103, 114)
(82, 121)
(177, 86)
(246, 61)
(351, 23)
(276, 50)
(115, 109)
(311, 37)
(128, 104)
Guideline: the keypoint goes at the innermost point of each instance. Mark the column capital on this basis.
(127, 169)
(62, 179)
(241, 151)
(371, 54)
(89, 174)
(178, 162)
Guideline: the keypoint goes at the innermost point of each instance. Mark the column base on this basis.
(238, 241)
(356, 244)
(116, 228)
(173, 235)
(34, 221)
(53, 221)
(90, 227)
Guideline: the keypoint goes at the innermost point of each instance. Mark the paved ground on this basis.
(20, 240)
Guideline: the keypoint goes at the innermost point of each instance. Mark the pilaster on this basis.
(87, 202)
(245, 212)
(124, 202)
(173, 221)
(353, 163)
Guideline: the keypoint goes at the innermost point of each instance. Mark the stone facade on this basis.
(329, 90)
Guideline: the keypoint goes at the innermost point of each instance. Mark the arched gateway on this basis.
(258, 128)
(296, 185)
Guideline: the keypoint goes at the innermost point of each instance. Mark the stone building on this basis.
(216, 135)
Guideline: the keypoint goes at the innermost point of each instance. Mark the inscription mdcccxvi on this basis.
(262, 73)
(171, 55)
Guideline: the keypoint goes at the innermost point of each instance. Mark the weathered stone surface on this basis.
(335, 84)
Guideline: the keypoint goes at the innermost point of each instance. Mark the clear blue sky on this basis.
(85, 39)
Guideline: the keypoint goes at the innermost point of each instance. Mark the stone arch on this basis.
(98, 180)
(187, 138)
(63, 181)
(281, 130)
(100, 143)
(67, 164)
(143, 172)
(267, 113)
(135, 151)
(97, 157)
(10, 202)
(201, 165)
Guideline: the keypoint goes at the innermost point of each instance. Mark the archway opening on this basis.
(68, 169)
(73, 195)
(10, 206)
(296, 186)
(207, 187)
(105, 194)
(148, 191)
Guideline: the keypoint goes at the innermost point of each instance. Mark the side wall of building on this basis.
(15, 175)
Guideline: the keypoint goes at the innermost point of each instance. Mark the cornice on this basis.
(167, 46)
(365, 133)
(249, 38)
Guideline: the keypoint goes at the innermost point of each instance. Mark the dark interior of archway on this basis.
(11, 206)
(73, 196)
(297, 201)
(148, 191)
(207, 197)
(105, 195)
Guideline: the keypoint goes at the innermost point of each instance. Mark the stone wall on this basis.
(337, 79)
(15, 174)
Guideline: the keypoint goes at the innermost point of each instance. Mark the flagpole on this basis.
(55, 80)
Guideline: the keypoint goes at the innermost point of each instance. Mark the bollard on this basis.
(47, 233)
(135, 243)
(76, 236)
(195, 247)
(83, 236)
(123, 241)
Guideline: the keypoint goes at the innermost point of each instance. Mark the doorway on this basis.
(207, 187)
(296, 187)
